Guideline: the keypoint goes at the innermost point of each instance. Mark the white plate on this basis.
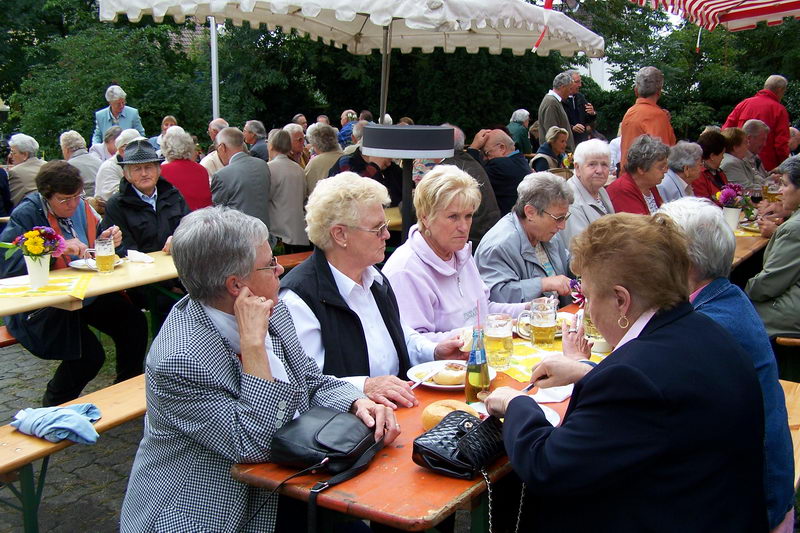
(416, 373)
(549, 413)
(88, 264)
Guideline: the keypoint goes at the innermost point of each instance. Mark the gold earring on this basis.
(627, 322)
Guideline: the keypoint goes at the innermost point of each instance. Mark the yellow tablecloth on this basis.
(526, 357)
(74, 286)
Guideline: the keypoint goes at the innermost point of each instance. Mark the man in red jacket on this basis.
(766, 106)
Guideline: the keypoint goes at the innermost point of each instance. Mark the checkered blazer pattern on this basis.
(204, 414)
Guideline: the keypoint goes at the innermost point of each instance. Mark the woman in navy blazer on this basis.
(666, 433)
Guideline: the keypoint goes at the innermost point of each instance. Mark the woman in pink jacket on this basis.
(433, 274)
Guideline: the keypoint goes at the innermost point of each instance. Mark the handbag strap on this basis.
(359, 466)
(489, 498)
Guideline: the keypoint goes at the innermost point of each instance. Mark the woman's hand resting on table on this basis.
(377, 416)
(573, 342)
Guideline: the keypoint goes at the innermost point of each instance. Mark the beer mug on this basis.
(499, 340)
(104, 257)
(543, 323)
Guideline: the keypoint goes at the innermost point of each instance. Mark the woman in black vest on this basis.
(343, 308)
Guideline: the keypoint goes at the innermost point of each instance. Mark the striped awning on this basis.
(735, 15)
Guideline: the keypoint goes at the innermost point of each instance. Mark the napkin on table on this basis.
(73, 422)
(136, 256)
(553, 394)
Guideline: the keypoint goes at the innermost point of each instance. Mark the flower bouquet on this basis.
(732, 196)
(37, 246)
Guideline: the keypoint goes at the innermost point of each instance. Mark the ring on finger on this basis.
(572, 331)
(262, 299)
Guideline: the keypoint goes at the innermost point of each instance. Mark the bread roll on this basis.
(451, 374)
(466, 339)
(434, 413)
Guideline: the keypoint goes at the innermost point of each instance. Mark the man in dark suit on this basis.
(504, 165)
(580, 112)
(244, 182)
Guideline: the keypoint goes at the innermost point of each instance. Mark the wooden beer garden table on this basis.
(125, 276)
(394, 490)
(747, 244)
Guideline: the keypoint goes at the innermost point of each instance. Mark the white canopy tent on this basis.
(362, 26)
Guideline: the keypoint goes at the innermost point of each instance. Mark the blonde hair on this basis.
(645, 254)
(439, 187)
(338, 200)
(553, 133)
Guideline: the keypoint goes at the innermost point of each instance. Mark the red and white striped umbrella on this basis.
(735, 15)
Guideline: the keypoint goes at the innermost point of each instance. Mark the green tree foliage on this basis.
(159, 77)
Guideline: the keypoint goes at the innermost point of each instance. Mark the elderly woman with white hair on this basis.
(552, 152)
(224, 374)
(524, 256)
(434, 270)
(711, 245)
(25, 166)
(116, 114)
(592, 167)
(344, 310)
(181, 170)
(518, 129)
(685, 163)
(73, 148)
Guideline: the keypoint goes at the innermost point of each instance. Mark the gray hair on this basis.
(212, 244)
(293, 128)
(684, 154)
(591, 148)
(111, 133)
(280, 141)
(256, 127)
(323, 138)
(458, 137)
(24, 143)
(776, 83)
(562, 80)
(540, 190)
(754, 127)
(553, 133)
(218, 124)
(358, 129)
(711, 243)
(177, 144)
(230, 137)
(791, 167)
(114, 93)
(72, 140)
(520, 115)
(649, 80)
(644, 152)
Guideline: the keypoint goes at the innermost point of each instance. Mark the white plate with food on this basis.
(449, 376)
(524, 329)
(89, 264)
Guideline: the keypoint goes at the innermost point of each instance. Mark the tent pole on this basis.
(212, 22)
(386, 51)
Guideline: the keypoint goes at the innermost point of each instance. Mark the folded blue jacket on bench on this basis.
(73, 422)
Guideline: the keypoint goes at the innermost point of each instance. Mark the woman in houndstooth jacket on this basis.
(223, 374)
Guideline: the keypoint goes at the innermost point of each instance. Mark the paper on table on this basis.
(136, 256)
(553, 394)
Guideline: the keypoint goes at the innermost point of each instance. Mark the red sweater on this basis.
(627, 198)
(706, 186)
(191, 180)
(766, 107)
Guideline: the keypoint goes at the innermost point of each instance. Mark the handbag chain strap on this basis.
(489, 498)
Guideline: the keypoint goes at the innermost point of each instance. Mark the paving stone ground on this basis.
(85, 484)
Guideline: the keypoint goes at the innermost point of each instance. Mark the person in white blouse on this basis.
(343, 308)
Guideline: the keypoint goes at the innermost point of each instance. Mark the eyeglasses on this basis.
(273, 264)
(69, 199)
(558, 220)
(377, 231)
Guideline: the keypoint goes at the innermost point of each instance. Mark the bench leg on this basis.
(29, 494)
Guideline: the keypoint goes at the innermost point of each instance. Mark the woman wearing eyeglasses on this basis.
(51, 333)
(434, 272)
(523, 256)
(344, 310)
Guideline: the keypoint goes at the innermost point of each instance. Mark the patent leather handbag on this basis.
(460, 445)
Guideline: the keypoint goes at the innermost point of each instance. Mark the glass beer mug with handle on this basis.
(499, 340)
(104, 257)
(542, 320)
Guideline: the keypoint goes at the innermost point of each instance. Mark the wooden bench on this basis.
(792, 392)
(117, 403)
(787, 341)
(288, 261)
(6, 339)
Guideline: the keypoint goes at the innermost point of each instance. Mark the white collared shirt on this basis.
(229, 329)
(636, 328)
(383, 359)
(551, 91)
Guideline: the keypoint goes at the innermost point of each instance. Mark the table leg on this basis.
(480, 518)
(31, 495)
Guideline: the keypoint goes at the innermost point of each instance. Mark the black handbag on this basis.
(323, 440)
(460, 445)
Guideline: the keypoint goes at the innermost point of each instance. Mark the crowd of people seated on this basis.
(237, 351)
